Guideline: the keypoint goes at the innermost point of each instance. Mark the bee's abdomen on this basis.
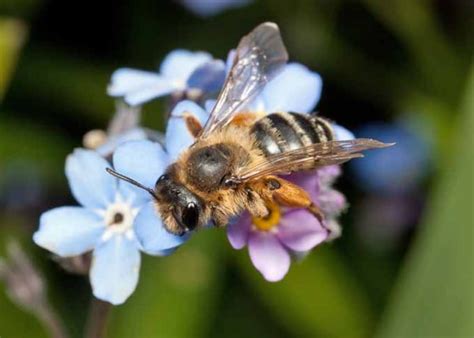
(280, 132)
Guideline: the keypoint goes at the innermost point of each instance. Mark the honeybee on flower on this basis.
(259, 156)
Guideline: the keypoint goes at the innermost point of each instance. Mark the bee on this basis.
(237, 159)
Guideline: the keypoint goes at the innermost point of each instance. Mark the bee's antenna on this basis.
(131, 181)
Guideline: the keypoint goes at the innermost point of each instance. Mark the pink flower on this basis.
(272, 241)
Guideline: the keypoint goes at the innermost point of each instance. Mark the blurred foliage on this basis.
(434, 296)
(379, 60)
(12, 36)
(15, 321)
(316, 297)
(33, 143)
(83, 79)
(179, 293)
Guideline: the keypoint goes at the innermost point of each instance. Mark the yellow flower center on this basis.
(270, 221)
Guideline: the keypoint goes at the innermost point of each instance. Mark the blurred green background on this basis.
(381, 61)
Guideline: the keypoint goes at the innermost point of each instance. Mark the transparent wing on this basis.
(310, 157)
(260, 55)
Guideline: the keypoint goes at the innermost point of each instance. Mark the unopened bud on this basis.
(94, 139)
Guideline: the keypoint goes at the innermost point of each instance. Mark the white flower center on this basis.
(178, 84)
(118, 218)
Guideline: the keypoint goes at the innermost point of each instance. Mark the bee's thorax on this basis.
(208, 167)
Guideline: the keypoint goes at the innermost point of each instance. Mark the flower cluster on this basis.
(181, 73)
(273, 240)
(116, 221)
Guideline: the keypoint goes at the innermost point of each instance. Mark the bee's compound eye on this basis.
(161, 178)
(190, 216)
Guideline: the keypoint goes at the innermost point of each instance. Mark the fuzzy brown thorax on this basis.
(205, 165)
(196, 181)
(208, 167)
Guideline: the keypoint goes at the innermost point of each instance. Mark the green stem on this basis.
(51, 321)
(98, 318)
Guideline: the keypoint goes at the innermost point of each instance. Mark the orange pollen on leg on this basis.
(270, 221)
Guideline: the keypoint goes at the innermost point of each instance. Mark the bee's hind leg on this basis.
(317, 212)
(290, 195)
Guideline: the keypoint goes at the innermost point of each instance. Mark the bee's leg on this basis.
(218, 218)
(220, 222)
(288, 194)
(254, 203)
(193, 124)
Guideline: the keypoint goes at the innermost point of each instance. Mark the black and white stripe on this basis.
(281, 132)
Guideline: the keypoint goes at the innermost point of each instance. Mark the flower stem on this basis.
(51, 321)
(98, 316)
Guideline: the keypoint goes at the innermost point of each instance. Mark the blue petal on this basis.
(114, 142)
(295, 89)
(160, 253)
(398, 169)
(178, 136)
(160, 88)
(180, 63)
(127, 80)
(115, 269)
(69, 231)
(209, 77)
(209, 8)
(143, 161)
(151, 234)
(230, 60)
(209, 105)
(90, 184)
(138, 86)
(341, 133)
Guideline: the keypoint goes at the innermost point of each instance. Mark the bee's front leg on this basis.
(217, 217)
(193, 124)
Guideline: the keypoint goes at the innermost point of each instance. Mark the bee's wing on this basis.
(260, 55)
(310, 157)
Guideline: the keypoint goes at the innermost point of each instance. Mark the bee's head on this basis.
(179, 208)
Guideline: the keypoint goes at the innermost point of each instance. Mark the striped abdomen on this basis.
(280, 132)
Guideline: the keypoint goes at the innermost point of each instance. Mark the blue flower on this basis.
(207, 8)
(114, 141)
(398, 169)
(295, 89)
(113, 219)
(178, 137)
(181, 71)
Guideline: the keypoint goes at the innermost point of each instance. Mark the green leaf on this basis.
(12, 37)
(20, 8)
(318, 297)
(44, 148)
(415, 24)
(177, 295)
(66, 81)
(434, 295)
